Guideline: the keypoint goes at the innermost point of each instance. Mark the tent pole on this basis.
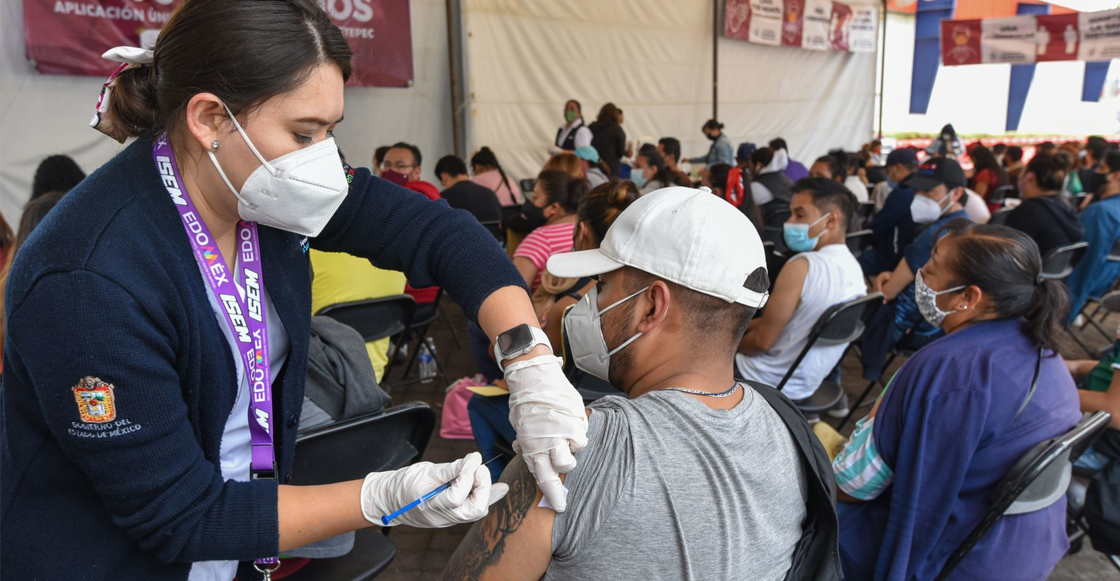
(715, 59)
(882, 67)
(453, 55)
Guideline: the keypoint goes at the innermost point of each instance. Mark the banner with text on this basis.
(1086, 36)
(808, 24)
(67, 37)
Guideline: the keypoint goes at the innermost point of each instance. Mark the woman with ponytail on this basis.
(489, 173)
(158, 323)
(918, 474)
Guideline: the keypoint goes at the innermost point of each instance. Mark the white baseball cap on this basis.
(687, 236)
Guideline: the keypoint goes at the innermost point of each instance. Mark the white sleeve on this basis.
(761, 194)
(583, 137)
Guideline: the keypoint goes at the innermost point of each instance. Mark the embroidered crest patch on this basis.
(95, 400)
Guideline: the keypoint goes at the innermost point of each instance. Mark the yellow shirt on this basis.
(342, 278)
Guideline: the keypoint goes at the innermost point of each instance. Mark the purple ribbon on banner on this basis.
(245, 317)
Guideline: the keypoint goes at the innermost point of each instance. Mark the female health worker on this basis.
(158, 320)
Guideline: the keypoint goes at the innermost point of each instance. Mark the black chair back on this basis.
(865, 213)
(998, 195)
(527, 186)
(374, 319)
(840, 324)
(999, 217)
(1059, 262)
(1047, 463)
(386, 440)
(495, 228)
(858, 241)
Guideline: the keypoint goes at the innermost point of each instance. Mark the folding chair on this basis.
(375, 319)
(999, 195)
(1038, 480)
(1059, 262)
(859, 241)
(527, 186)
(894, 353)
(386, 440)
(1090, 319)
(1000, 216)
(864, 213)
(839, 325)
(495, 228)
(419, 328)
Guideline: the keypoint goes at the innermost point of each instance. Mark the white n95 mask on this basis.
(298, 192)
(926, 211)
(584, 325)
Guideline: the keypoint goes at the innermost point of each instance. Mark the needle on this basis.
(387, 518)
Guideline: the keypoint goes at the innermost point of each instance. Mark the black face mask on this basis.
(711, 136)
(533, 215)
(1094, 182)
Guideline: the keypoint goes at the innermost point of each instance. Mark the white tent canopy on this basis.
(523, 60)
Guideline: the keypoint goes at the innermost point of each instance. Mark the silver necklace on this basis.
(727, 393)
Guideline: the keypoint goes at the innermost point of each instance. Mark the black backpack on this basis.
(1102, 500)
(817, 555)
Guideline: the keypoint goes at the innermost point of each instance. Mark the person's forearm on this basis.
(313, 513)
(505, 309)
(902, 277)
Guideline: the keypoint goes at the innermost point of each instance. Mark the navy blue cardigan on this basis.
(107, 287)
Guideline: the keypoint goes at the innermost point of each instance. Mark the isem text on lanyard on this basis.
(245, 317)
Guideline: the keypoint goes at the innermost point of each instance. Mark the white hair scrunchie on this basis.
(129, 57)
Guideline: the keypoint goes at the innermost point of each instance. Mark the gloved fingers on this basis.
(465, 477)
(562, 459)
(498, 491)
(519, 451)
(549, 481)
(477, 504)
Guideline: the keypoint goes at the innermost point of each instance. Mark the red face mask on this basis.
(394, 176)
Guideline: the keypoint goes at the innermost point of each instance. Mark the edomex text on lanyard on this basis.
(245, 317)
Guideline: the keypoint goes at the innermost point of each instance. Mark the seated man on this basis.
(892, 227)
(823, 274)
(463, 194)
(694, 476)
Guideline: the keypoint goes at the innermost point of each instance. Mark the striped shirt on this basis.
(860, 469)
(543, 243)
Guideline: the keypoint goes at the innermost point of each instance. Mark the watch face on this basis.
(515, 339)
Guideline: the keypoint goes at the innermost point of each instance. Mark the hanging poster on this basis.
(1057, 38)
(1100, 35)
(839, 27)
(792, 20)
(1008, 40)
(68, 38)
(862, 37)
(814, 28)
(766, 22)
(736, 18)
(960, 42)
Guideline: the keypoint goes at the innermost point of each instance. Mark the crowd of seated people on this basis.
(640, 305)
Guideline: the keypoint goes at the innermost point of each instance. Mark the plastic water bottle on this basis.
(427, 360)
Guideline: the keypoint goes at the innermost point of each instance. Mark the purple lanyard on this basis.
(246, 318)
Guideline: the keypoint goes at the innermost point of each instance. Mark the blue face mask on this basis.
(638, 177)
(797, 235)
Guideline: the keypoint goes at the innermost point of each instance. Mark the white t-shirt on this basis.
(856, 186)
(236, 454)
(834, 277)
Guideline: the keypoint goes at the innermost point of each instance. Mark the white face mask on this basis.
(927, 300)
(925, 211)
(584, 324)
(298, 192)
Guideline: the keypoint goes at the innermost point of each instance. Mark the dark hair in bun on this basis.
(602, 205)
(244, 52)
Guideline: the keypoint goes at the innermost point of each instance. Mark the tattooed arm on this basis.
(514, 541)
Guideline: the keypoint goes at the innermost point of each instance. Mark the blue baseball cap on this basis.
(587, 153)
(904, 156)
(745, 150)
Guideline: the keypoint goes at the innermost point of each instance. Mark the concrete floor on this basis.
(423, 553)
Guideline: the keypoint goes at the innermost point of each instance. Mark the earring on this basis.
(964, 307)
(214, 144)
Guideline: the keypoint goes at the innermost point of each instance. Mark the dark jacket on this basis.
(107, 287)
(776, 211)
(1048, 220)
(892, 229)
(340, 378)
(610, 141)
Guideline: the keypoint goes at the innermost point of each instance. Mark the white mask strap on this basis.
(252, 147)
(218, 166)
(620, 302)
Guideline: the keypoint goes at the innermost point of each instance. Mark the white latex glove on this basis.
(467, 500)
(548, 415)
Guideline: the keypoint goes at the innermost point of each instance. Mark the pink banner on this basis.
(68, 37)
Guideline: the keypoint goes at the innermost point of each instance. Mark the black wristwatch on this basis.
(517, 342)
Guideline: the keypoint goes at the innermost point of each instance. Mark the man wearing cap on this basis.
(939, 190)
(892, 227)
(691, 475)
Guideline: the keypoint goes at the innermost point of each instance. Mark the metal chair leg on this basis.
(857, 405)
